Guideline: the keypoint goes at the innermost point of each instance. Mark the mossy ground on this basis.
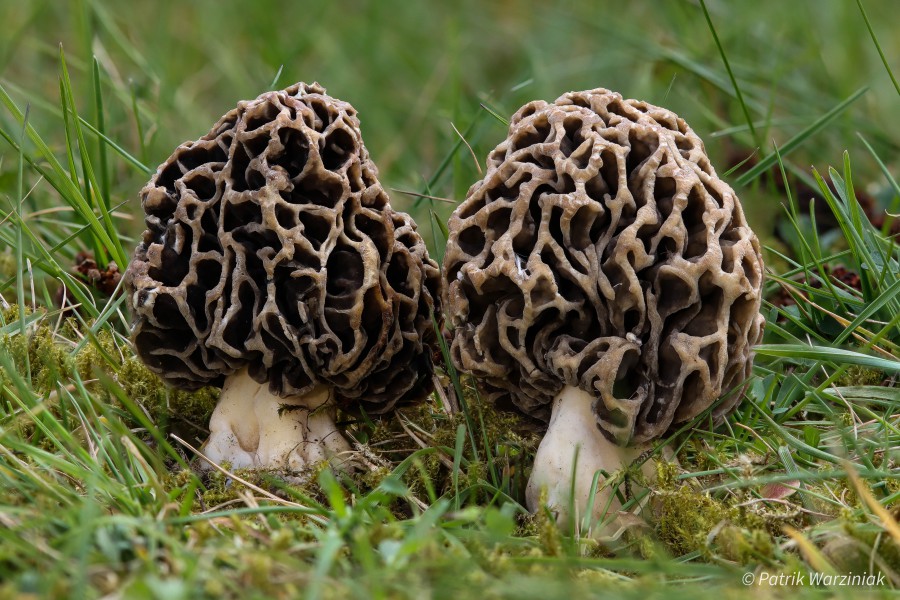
(406, 466)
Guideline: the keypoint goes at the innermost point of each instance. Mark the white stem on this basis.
(573, 425)
(252, 428)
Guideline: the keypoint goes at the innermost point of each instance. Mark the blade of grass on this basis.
(895, 203)
(55, 175)
(138, 125)
(438, 225)
(448, 158)
(884, 61)
(766, 163)
(49, 265)
(812, 554)
(737, 90)
(490, 459)
(886, 296)
(491, 111)
(119, 150)
(826, 354)
(20, 264)
(92, 241)
(457, 385)
(115, 247)
(99, 118)
(274, 84)
(874, 256)
(457, 458)
(56, 110)
(887, 520)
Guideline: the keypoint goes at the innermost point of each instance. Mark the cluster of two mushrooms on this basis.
(600, 277)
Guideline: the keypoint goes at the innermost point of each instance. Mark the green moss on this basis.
(527, 525)
(746, 546)
(40, 364)
(93, 356)
(371, 479)
(166, 403)
(874, 541)
(220, 488)
(8, 266)
(700, 456)
(893, 487)
(184, 413)
(11, 313)
(504, 448)
(666, 473)
(35, 352)
(688, 520)
(548, 531)
(856, 375)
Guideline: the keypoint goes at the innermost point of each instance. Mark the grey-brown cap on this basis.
(271, 244)
(601, 251)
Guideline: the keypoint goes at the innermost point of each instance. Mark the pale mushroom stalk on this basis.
(573, 429)
(251, 428)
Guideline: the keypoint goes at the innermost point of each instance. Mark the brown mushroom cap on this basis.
(271, 244)
(602, 251)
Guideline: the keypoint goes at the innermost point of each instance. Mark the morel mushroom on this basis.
(273, 265)
(602, 277)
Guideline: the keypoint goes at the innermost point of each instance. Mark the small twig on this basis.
(754, 433)
(31, 279)
(796, 507)
(888, 522)
(856, 419)
(418, 428)
(846, 322)
(8, 521)
(364, 454)
(9, 214)
(450, 406)
(58, 209)
(444, 460)
(250, 502)
(222, 505)
(139, 458)
(472, 152)
(418, 195)
(255, 488)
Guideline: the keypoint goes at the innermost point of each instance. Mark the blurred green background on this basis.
(170, 69)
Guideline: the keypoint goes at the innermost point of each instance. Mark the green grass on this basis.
(96, 495)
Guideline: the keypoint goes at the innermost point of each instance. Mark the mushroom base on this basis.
(252, 428)
(573, 428)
